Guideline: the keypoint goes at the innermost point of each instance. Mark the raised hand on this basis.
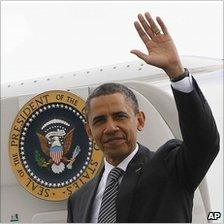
(162, 52)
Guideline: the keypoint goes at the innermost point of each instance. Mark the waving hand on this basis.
(162, 52)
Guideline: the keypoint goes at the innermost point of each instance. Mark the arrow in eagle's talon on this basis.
(74, 155)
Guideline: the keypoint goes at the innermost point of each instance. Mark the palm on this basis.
(162, 52)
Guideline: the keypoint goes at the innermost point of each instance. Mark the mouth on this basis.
(114, 141)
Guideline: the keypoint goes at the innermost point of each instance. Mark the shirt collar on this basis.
(123, 164)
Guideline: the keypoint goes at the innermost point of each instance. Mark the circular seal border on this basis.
(23, 174)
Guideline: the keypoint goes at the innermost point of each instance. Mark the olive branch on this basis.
(41, 162)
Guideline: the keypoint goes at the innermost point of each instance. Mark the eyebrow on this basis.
(98, 118)
(114, 114)
(120, 113)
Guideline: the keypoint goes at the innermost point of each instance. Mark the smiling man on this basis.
(136, 184)
(113, 120)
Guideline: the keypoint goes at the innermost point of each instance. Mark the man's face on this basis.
(113, 124)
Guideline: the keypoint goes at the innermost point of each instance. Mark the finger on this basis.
(140, 55)
(162, 25)
(145, 25)
(151, 22)
(141, 33)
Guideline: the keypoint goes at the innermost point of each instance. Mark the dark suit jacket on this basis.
(159, 186)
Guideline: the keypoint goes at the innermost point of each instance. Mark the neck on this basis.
(115, 161)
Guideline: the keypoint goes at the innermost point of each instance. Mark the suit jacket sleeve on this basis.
(190, 162)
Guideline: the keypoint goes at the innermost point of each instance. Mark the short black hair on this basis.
(111, 88)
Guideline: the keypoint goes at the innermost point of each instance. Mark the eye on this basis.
(121, 116)
(99, 120)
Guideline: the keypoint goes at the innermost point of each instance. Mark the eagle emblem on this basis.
(53, 155)
(56, 144)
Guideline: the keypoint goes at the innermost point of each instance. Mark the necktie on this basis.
(107, 212)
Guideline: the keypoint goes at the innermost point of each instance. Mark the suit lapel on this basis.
(128, 184)
(89, 197)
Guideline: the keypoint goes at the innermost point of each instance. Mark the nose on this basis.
(111, 127)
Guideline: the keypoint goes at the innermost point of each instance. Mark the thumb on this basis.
(140, 55)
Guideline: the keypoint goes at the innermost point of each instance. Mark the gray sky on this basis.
(42, 38)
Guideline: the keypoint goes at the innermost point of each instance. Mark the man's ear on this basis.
(141, 120)
(88, 130)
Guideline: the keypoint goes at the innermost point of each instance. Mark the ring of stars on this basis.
(22, 142)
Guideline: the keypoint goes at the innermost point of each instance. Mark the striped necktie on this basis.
(107, 212)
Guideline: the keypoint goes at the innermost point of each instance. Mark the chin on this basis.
(117, 152)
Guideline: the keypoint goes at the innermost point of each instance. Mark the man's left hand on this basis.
(162, 52)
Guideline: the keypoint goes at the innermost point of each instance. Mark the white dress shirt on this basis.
(102, 185)
(184, 85)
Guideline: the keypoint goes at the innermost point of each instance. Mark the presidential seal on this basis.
(50, 152)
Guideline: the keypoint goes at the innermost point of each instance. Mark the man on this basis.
(146, 186)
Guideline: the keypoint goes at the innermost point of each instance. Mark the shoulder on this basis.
(162, 161)
(170, 145)
(83, 190)
(157, 157)
(166, 148)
